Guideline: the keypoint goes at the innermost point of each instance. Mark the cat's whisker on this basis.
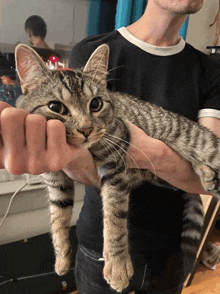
(114, 68)
(129, 156)
(110, 142)
(154, 171)
(115, 79)
(106, 73)
(106, 145)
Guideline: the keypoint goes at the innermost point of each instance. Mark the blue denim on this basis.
(161, 273)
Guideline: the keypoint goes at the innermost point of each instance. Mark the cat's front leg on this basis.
(118, 267)
(61, 196)
(209, 178)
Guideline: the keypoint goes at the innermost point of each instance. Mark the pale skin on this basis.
(36, 40)
(30, 144)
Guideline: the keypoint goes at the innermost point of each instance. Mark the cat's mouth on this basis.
(85, 141)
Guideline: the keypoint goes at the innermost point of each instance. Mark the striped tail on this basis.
(193, 219)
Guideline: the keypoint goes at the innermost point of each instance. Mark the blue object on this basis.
(107, 16)
(9, 93)
(101, 16)
(128, 11)
(123, 13)
(93, 17)
(183, 29)
(138, 9)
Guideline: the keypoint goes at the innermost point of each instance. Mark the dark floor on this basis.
(28, 267)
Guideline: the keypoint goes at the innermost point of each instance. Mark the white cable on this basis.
(12, 198)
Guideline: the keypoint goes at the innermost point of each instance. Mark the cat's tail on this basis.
(193, 219)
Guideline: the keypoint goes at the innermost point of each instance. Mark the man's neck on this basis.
(160, 31)
(38, 42)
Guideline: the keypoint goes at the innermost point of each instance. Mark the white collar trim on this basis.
(152, 49)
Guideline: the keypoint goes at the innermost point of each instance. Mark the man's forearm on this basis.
(179, 172)
(157, 157)
(149, 154)
(163, 161)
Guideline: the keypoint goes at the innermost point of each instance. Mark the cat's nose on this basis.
(86, 131)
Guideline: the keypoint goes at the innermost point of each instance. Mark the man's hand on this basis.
(144, 151)
(30, 144)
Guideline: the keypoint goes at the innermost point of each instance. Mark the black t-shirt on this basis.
(178, 78)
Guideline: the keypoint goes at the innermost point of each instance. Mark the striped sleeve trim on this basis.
(209, 112)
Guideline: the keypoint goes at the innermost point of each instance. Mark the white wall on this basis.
(29, 214)
(66, 20)
(199, 33)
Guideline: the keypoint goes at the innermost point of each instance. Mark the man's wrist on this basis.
(83, 169)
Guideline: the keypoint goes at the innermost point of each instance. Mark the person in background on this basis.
(7, 80)
(9, 87)
(36, 30)
(7, 71)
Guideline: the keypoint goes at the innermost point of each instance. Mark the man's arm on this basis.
(211, 123)
(165, 162)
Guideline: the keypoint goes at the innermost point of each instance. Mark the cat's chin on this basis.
(87, 144)
(83, 145)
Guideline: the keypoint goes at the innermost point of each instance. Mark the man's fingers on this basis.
(35, 132)
(56, 144)
(30, 143)
(13, 137)
(3, 105)
(12, 127)
(35, 126)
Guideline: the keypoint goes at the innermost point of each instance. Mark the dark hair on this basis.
(36, 25)
(6, 69)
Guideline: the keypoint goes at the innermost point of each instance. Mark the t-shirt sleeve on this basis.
(210, 104)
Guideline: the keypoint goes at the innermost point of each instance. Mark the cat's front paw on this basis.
(118, 271)
(209, 178)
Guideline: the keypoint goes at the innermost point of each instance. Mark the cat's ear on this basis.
(97, 65)
(30, 67)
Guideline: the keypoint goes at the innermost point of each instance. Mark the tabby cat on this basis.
(97, 119)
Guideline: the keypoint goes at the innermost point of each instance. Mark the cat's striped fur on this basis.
(97, 119)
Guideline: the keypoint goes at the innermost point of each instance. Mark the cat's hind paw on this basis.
(62, 264)
(117, 272)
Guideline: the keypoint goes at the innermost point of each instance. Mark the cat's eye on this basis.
(58, 107)
(96, 104)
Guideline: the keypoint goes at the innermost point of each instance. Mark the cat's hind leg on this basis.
(118, 267)
(61, 196)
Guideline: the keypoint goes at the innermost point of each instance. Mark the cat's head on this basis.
(78, 98)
